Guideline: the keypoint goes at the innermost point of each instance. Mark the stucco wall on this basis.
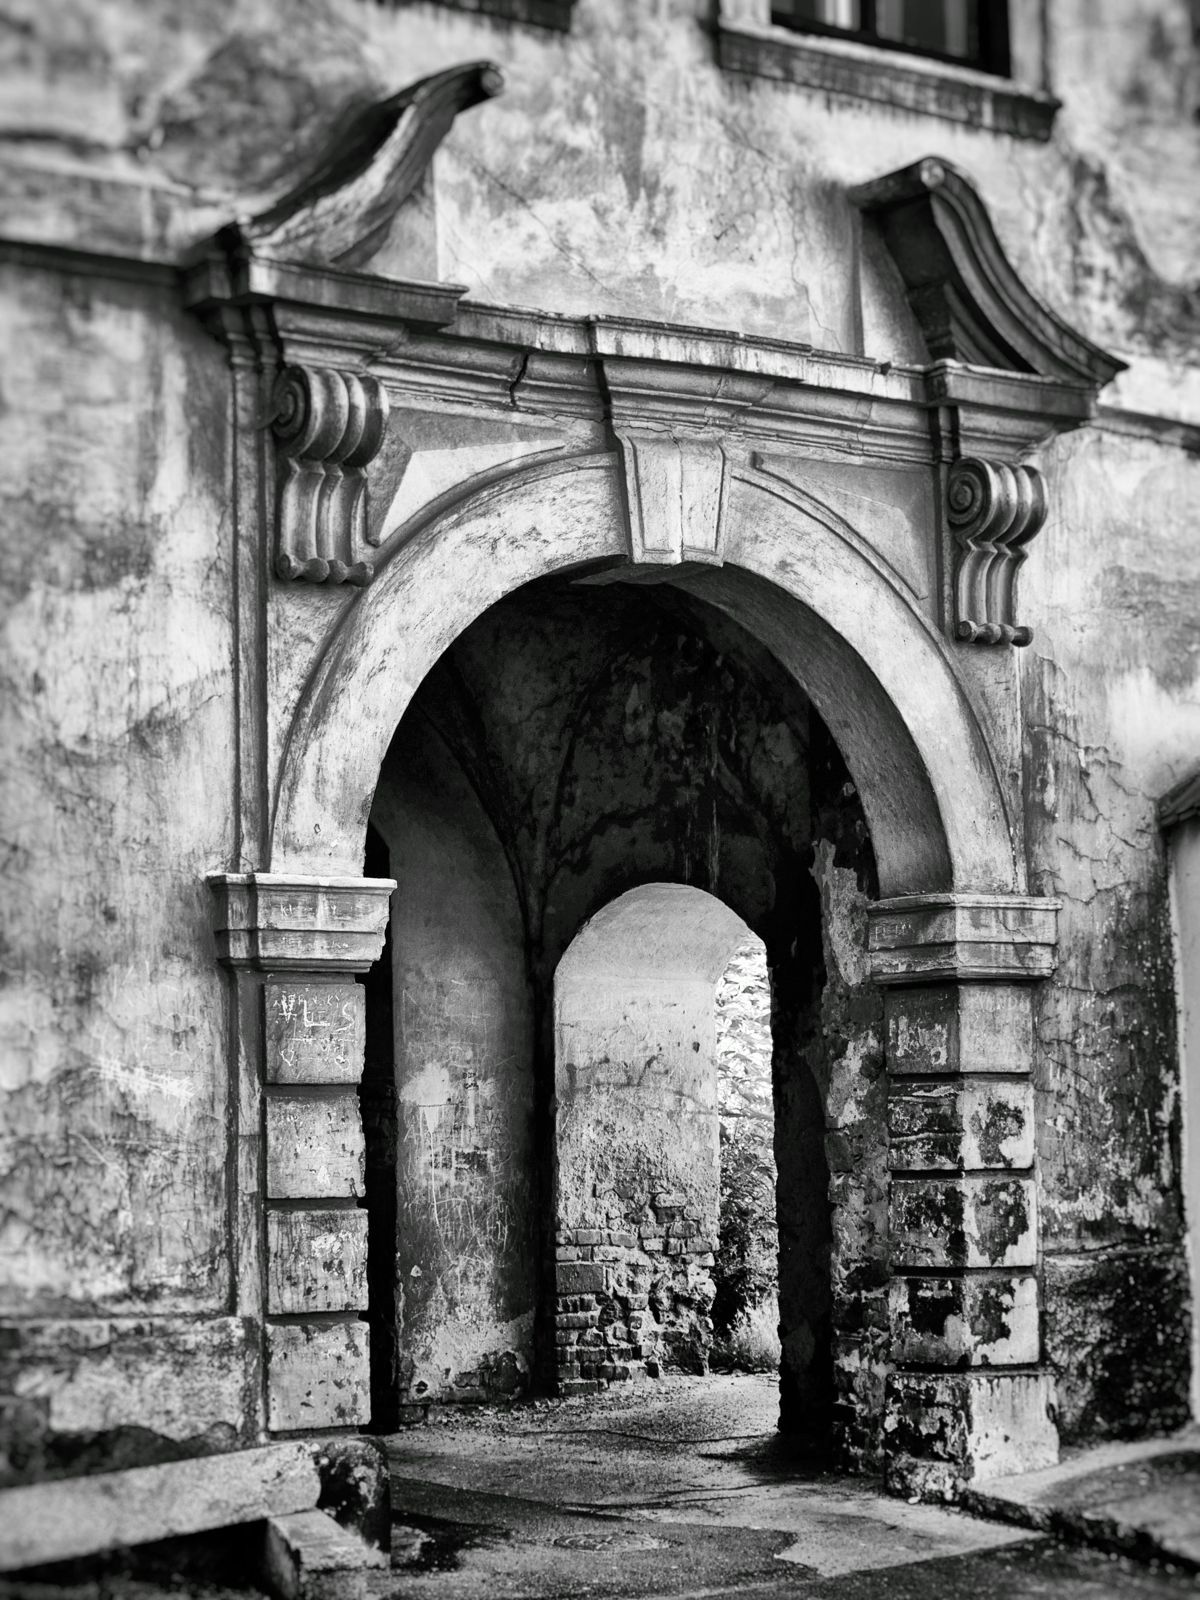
(620, 172)
(462, 1017)
(117, 730)
(1112, 714)
(623, 170)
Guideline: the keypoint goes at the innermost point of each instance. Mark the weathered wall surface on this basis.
(1185, 898)
(117, 730)
(466, 1245)
(1113, 718)
(623, 170)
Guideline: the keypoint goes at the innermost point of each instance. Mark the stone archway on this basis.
(794, 573)
(639, 1151)
(954, 944)
(637, 1193)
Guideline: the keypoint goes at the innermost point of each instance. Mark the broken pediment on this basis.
(970, 301)
(341, 211)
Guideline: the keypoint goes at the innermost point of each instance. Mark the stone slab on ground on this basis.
(66, 1518)
(1140, 1499)
(309, 1556)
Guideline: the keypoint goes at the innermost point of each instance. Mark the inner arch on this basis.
(637, 1134)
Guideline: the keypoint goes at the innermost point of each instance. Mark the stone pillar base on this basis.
(295, 945)
(947, 1430)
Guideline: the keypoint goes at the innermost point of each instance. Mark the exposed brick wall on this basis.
(633, 1301)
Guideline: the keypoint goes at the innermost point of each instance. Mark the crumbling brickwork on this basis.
(633, 1301)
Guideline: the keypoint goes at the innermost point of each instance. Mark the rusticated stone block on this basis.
(970, 1321)
(966, 1221)
(961, 1027)
(316, 1261)
(315, 1032)
(943, 1430)
(966, 1125)
(315, 1148)
(318, 1376)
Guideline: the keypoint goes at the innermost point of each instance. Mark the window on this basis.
(973, 32)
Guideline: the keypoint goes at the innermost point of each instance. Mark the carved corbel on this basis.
(675, 489)
(328, 427)
(993, 511)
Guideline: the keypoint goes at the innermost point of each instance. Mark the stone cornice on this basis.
(270, 922)
(426, 342)
(936, 938)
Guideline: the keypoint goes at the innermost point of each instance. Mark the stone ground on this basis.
(679, 1489)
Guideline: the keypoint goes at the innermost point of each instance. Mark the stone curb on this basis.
(1041, 1501)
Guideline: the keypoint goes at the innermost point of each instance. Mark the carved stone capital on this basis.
(328, 426)
(932, 938)
(993, 511)
(272, 922)
(675, 486)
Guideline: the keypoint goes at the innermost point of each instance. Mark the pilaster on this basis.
(294, 945)
(967, 1397)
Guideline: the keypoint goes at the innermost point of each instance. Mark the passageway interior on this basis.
(664, 1172)
(581, 749)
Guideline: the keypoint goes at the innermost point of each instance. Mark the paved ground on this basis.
(680, 1489)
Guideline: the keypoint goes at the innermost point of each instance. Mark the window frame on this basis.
(994, 55)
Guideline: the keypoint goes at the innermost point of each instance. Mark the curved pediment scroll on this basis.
(340, 212)
(970, 301)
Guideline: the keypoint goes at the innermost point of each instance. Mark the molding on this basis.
(340, 213)
(934, 938)
(1170, 431)
(555, 14)
(969, 299)
(329, 426)
(993, 511)
(887, 77)
(314, 311)
(271, 922)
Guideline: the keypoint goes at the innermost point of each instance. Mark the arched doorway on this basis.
(575, 744)
(952, 948)
(643, 1112)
